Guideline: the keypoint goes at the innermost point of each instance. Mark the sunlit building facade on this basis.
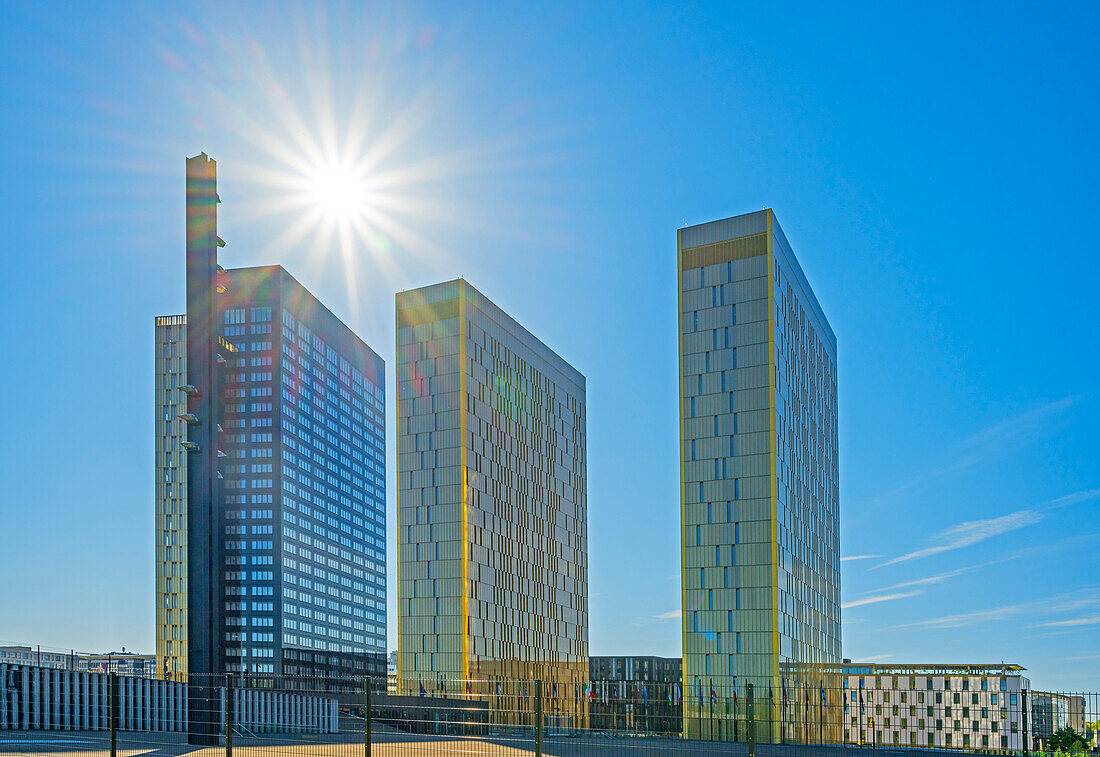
(936, 706)
(492, 502)
(170, 356)
(759, 482)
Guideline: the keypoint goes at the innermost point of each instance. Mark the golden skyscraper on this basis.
(759, 485)
(492, 500)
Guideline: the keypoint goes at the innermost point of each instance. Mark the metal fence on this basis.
(287, 715)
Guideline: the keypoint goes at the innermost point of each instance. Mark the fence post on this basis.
(1023, 718)
(538, 718)
(112, 711)
(750, 725)
(366, 717)
(228, 715)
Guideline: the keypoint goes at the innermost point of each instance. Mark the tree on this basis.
(1065, 739)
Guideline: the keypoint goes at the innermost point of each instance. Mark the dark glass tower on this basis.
(285, 468)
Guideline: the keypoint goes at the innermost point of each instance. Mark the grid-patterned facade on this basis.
(936, 706)
(492, 501)
(170, 345)
(301, 465)
(759, 480)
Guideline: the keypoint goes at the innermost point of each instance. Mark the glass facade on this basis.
(492, 500)
(301, 460)
(759, 481)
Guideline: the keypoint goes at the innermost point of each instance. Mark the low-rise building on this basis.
(123, 663)
(635, 693)
(944, 706)
(1051, 711)
(19, 654)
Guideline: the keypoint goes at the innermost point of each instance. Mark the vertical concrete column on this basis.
(25, 709)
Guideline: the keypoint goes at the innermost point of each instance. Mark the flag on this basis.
(679, 694)
(735, 699)
(713, 693)
(555, 690)
(699, 689)
(861, 711)
(442, 686)
(469, 689)
(645, 696)
(526, 692)
(670, 693)
(784, 693)
(771, 695)
(824, 702)
(423, 691)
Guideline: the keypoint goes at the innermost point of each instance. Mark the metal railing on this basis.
(288, 715)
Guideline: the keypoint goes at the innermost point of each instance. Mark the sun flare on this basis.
(338, 192)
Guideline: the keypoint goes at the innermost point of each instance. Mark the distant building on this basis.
(635, 693)
(935, 706)
(123, 663)
(391, 673)
(634, 668)
(1051, 711)
(492, 504)
(27, 655)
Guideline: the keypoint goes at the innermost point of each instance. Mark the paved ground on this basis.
(388, 743)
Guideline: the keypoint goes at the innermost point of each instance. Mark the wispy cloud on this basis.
(876, 657)
(971, 532)
(1094, 620)
(1064, 603)
(962, 619)
(1019, 423)
(878, 598)
(939, 578)
(1076, 498)
(849, 558)
(670, 615)
(973, 449)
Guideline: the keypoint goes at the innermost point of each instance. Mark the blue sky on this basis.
(934, 167)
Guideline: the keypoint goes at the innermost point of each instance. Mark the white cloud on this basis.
(979, 446)
(1019, 423)
(1082, 599)
(670, 615)
(849, 558)
(1087, 495)
(970, 618)
(878, 598)
(1072, 622)
(972, 532)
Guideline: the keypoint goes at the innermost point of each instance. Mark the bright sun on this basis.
(338, 192)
